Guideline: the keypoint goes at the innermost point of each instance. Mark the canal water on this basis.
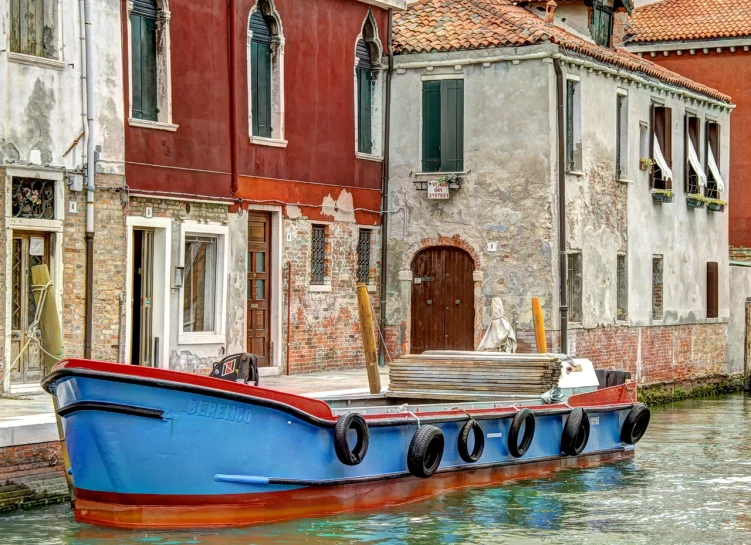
(690, 483)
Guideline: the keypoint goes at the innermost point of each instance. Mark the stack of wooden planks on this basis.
(484, 373)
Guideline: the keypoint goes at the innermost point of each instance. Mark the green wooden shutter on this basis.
(143, 52)
(364, 110)
(431, 126)
(260, 62)
(452, 125)
(570, 90)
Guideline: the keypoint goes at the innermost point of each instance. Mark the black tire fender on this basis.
(516, 448)
(575, 432)
(636, 424)
(425, 451)
(351, 456)
(469, 427)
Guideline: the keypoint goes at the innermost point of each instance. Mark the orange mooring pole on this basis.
(539, 320)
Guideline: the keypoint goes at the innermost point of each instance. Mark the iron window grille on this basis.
(33, 198)
(574, 280)
(657, 288)
(363, 256)
(318, 255)
(622, 295)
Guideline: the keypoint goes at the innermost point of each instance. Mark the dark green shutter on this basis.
(452, 125)
(570, 90)
(143, 51)
(260, 63)
(431, 126)
(364, 110)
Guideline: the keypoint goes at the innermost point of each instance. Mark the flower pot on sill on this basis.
(643, 167)
(694, 201)
(662, 197)
(715, 207)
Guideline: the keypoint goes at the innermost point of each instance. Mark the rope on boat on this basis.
(32, 328)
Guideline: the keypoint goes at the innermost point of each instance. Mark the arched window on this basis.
(265, 75)
(149, 64)
(368, 90)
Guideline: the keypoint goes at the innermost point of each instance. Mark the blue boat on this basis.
(153, 448)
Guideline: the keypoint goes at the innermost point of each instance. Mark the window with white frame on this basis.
(149, 63)
(265, 73)
(199, 284)
(33, 28)
(368, 89)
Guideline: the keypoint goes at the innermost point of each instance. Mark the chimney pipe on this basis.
(550, 12)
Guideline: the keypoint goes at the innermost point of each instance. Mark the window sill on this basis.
(271, 142)
(575, 173)
(158, 125)
(200, 338)
(369, 157)
(625, 181)
(319, 288)
(33, 60)
(442, 173)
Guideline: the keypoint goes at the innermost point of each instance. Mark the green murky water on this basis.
(690, 483)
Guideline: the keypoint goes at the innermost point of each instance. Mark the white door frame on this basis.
(162, 266)
(276, 287)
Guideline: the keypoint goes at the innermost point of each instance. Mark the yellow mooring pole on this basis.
(539, 320)
(52, 343)
(368, 338)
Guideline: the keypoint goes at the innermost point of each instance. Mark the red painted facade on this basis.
(729, 72)
(319, 159)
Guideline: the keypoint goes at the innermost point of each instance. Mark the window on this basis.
(33, 27)
(622, 280)
(602, 22)
(318, 255)
(694, 177)
(661, 176)
(573, 126)
(574, 281)
(363, 256)
(368, 93)
(199, 284)
(712, 290)
(657, 294)
(443, 125)
(150, 79)
(621, 131)
(265, 66)
(715, 185)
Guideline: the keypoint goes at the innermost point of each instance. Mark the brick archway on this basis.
(456, 241)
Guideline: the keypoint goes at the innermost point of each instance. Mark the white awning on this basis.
(714, 170)
(693, 159)
(667, 174)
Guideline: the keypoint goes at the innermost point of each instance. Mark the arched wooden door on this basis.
(443, 309)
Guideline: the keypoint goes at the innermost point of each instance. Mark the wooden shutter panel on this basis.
(452, 125)
(712, 290)
(570, 90)
(364, 110)
(135, 61)
(652, 132)
(260, 62)
(148, 69)
(431, 126)
(668, 151)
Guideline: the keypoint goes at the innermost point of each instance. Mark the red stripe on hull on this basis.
(125, 511)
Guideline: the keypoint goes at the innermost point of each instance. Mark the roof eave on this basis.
(386, 4)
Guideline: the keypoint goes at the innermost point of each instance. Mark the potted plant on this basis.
(716, 205)
(646, 164)
(695, 200)
(662, 195)
(454, 180)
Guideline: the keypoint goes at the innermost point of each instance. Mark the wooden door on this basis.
(259, 286)
(443, 310)
(29, 249)
(142, 344)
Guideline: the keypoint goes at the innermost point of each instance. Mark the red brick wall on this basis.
(31, 475)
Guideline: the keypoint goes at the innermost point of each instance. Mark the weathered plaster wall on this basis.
(740, 292)
(506, 196)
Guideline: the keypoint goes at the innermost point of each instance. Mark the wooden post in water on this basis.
(539, 320)
(52, 342)
(368, 338)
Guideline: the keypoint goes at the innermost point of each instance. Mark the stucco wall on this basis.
(740, 292)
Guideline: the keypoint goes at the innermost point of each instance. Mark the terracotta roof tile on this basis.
(456, 25)
(670, 20)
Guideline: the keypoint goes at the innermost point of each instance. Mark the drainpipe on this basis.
(82, 42)
(385, 198)
(90, 172)
(232, 95)
(562, 257)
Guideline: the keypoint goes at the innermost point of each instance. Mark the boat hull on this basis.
(159, 449)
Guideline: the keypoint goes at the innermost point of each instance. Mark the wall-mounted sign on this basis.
(438, 189)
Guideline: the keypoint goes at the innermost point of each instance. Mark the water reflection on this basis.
(689, 483)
